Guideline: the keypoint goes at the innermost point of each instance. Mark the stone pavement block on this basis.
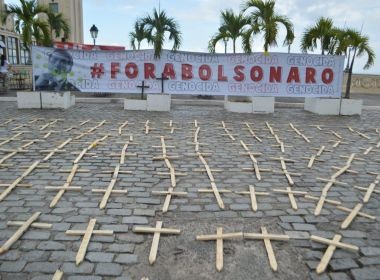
(83, 268)
(64, 256)
(135, 220)
(108, 269)
(99, 257)
(304, 227)
(370, 251)
(43, 267)
(51, 246)
(12, 266)
(121, 248)
(92, 277)
(291, 219)
(370, 273)
(339, 276)
(126, 259)
(343, 264)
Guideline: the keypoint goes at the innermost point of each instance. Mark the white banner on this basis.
(255, 74)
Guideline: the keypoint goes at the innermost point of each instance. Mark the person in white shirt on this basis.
(4, 69)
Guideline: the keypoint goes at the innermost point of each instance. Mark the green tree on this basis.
(324, 32)
(353, 44)
(57, 24)
(265, 20)
(232, 27)
(156, 26)
(138, 35)
(27, 22)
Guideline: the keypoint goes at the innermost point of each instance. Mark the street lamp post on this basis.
(225, 40)
(94, 32)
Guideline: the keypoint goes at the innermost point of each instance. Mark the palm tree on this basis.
(356, 45)
(57, 24)
(156, 26)
(27, 22)
(232, 27)
(265, 19)
(324, 31)
(138, 35)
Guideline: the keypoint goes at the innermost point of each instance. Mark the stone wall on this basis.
(362, 83)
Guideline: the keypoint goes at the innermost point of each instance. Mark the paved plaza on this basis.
(207, 156)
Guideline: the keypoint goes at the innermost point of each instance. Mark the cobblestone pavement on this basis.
(124, 255)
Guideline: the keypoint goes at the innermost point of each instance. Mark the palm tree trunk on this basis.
(233, 42)
(349, 78)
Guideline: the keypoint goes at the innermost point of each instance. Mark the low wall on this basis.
(361, 83)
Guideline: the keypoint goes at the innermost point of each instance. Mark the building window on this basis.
(53, 7)
(12, 50)
(24, 55)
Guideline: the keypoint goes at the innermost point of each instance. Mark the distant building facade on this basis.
(72, 11)
(14, 47)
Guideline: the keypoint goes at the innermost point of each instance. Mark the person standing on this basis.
(4, 69)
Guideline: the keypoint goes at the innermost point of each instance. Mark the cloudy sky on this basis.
(200, 19)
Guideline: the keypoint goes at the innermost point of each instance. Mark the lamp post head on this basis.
(94, 31)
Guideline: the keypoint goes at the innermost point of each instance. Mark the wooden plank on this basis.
(155, 242)
(58, 275)
(219, 249)
(327, 255)
(34, 225)
(269, 249)
(341, 245)
(16, 236)
(107, 194)
(85, 241)
(253, 198)
(346, 223)
(9, 189)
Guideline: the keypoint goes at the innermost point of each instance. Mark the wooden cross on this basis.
(370, 190)
(13, 138)
(87, 234)
(212, 181)
(333, 244)
(66, 186)
(228, 133)
(299, 133)
(358, 132)
(121, 127)
(249, 128)
(147, 127)
(157, 231)
(19, 126)
(91, 130)
(333, 202)
(284, 170)
(169, 193)
(267, 242)
(254, 161)
(163, 78)
(143, 87)
(291, 195)
(219, 237)
(50, 124)
(335, 134)
(124, 153)
(56, 150)
(17, 182)
(24, 226)
(107, 192)
(337, 143)
(352, 214)
(252, 193)
(92, 145)
(331, 182)
(12, 153)
(171, 127)
(7, 122)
